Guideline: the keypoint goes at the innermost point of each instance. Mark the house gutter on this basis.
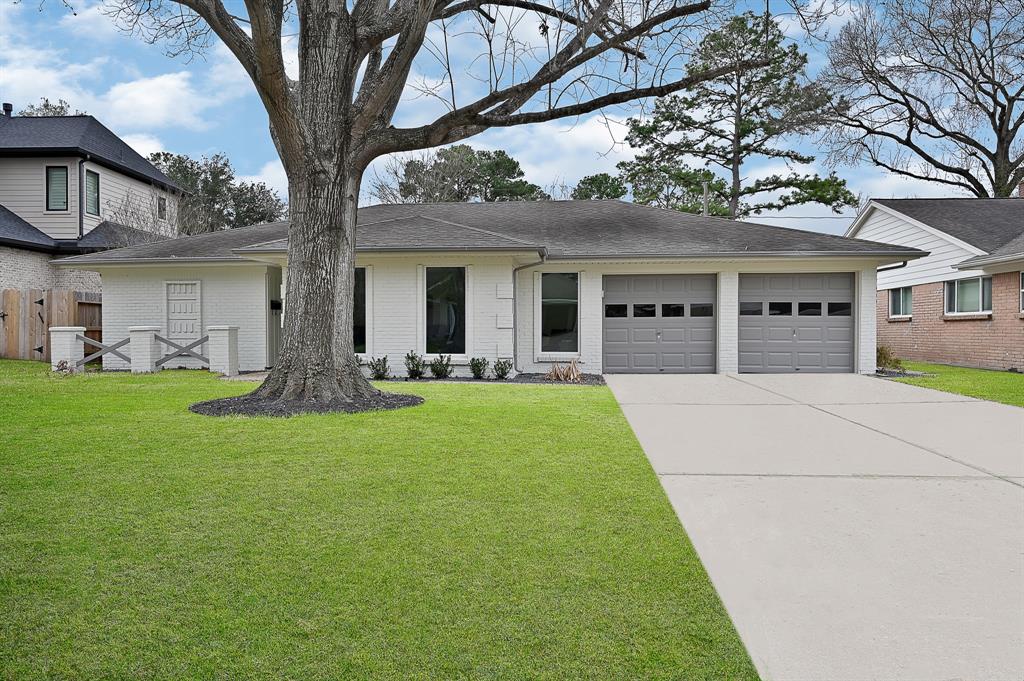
(889, 268)
(543, 252)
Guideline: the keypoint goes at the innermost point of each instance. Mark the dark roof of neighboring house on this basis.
(987, 224)
(562, 229)
(1013, 250)
(75, 136)
(107, 235)
(15, 231)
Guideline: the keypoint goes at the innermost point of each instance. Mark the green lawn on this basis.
(497, 531)
(998, 386)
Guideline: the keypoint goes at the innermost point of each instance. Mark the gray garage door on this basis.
(796, 322)
(659, 323)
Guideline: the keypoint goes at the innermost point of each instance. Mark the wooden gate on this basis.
(26, 316)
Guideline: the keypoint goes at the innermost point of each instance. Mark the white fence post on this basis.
(223, 349)
(145, 348)
(66, 347)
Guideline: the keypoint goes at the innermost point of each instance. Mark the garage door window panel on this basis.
(673, 310)
(616, 311)
(702, 310)
(752, 309)
(559, 312)
(645, 310)
(780, 309)
(809, 309)
(840, 309)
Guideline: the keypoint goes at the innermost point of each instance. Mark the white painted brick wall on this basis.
(235, 295)
(867, 310)
(728, 311)
(22, 269)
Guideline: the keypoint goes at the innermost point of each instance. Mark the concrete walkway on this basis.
(855, 528)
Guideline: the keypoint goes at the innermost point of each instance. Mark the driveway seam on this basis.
(882, 432)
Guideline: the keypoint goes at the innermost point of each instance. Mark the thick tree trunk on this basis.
(317, 363)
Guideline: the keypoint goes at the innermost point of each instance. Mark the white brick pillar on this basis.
(145, 348)
(728, 322)
(66, 347)
(223, 349)
(865, 320)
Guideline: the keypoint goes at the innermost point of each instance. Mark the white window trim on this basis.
(1022, 292)
(99, 192)
(368, 307)
(46, 188)
(904, 315)
(421, 312)
(956, 296)
(199, 296)
(539, 355)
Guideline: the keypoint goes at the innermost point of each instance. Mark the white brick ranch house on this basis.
(617, 286)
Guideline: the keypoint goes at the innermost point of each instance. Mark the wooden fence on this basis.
(27, 314)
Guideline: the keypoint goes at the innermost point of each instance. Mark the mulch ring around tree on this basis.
(246, 405)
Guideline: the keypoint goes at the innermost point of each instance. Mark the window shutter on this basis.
(92, 193)
(57, 188)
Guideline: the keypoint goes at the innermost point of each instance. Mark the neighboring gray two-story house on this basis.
(68, 185)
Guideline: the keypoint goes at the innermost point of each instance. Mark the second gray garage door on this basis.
(796, 322)
(659, 323)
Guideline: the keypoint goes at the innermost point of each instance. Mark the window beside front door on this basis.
(359, 311)
(1022, 291)
(901, 302)
(92, 192)
(559, 312)
(966, 296)
(446, 310)
(56, 188)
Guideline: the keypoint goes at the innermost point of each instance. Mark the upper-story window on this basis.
(161, 208)
(92, 192)
(56, 187)
(969, 295)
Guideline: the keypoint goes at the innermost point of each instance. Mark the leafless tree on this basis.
(933, 90)
(536, 60)
(136, 218)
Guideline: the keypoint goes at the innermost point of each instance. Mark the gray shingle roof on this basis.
(109, 234)
(75, 136)
(987, 224)
(1013, 250)
(564, 229)
(15, 231)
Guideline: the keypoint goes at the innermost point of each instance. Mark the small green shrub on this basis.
(415, 365)
(502, 368)
(441, 366)
(478, 365)
(885, 358)
(379, 369)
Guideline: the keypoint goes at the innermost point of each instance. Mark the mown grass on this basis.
(497, 531)
(998, 386)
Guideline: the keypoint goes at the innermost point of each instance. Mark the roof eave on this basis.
(82, 153)
(975, 263)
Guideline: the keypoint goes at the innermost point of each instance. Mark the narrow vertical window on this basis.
(56, 187)
(161, 208)
(92, 192)
(559, 311)
(446, 310)
(1022, 291)
(359, 311)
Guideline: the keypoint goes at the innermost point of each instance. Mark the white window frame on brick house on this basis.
(955, 286)
(46, 189)
(904, 310)
(90, 174)
(538, 302)
(1022, 292)
(368, 310)
(421, 311)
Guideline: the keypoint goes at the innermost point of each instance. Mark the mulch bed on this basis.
(249, 406)
(586, 379)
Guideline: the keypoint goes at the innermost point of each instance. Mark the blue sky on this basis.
(206, 105)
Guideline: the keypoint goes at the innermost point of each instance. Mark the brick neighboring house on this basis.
(963, 304)
(68, 186)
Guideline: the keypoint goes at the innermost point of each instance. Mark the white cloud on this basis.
(167, 100)
(144, 144)
(273, 175)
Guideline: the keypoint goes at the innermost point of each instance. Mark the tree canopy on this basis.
(599, 186)
(215, 198)
(45, 107)
(933, 90)
(748, 112)
(456, 173)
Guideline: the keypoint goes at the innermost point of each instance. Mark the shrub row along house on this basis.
(68, 185)
(617, 286)
(963, 303)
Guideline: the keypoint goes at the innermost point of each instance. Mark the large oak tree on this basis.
(355, 60)
(933, 90)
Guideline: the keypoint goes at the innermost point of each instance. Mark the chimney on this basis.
(8, 108)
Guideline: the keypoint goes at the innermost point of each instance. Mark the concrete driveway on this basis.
(855, 528)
